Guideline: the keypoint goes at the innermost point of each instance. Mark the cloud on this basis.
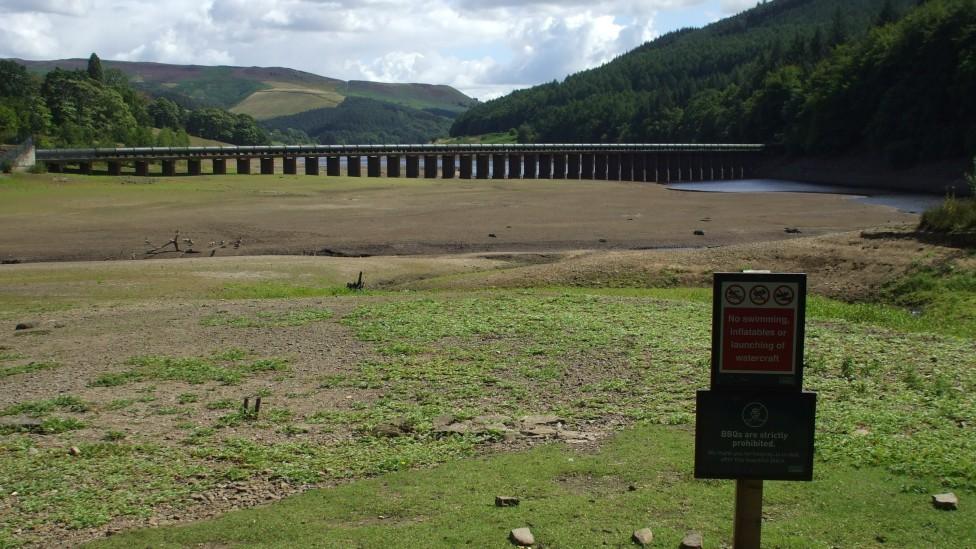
(61, 7)
(484, 48)
(730, 7)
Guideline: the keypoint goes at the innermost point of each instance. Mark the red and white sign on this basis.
(758, 332)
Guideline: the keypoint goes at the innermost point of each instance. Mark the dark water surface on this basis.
(904, 201)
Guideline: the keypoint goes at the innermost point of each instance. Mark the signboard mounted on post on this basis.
(756, 423)
(757, 330)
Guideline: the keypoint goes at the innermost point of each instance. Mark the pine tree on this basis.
(95, 71)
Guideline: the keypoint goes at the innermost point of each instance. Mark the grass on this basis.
(267, 319)
(278, 290)
(229, 367)
(595, 358)
(283, 99)
(37, 408)
(8, 371)
(954, 215)
(589, 357)
(579, 499)
(489, 138)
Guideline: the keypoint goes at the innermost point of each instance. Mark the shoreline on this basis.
(870, 172)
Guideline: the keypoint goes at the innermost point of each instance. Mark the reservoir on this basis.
(903, 201)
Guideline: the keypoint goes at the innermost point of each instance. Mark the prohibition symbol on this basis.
(755, 415)
(735, 294)
(784, 295)
(759, 294)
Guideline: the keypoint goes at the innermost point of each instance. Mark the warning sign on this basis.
(757, 332)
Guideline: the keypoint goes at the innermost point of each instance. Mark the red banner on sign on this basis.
(758, 340)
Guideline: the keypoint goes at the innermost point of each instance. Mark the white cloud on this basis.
(735, 6)
(484, 48)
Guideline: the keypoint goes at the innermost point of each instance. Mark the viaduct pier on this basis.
(663, 163)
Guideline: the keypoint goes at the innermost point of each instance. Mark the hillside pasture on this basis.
(283, 99)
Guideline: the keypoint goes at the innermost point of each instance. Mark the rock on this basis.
(441, 422)
(541, 420)
(631, 487)
(692, 540)
(506, 501)
(492, 235)
(699, 232)
(25, 326)
(522, 537)
(603, 240)
(74, 450)
(643, 537)
(540, 431)
(574, 436)
(393, 428)
(946, 502)
(791, 230)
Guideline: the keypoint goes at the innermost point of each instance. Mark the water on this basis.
(903, 201)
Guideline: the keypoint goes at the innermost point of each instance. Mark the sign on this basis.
(755, 435)
(757, 330)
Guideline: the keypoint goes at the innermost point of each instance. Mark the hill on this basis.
(264, 92)
(893, 77)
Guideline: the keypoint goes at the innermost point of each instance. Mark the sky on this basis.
(483, 48)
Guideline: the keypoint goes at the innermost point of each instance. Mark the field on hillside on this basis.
(540, 363)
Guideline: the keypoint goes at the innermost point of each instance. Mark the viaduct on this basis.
(662, 163)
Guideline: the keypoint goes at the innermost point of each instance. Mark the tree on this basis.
(95, 71)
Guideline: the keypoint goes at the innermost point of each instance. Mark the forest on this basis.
(897, 78)
(100, 108)
(363, 120)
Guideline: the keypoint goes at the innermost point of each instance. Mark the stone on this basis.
(492, 235)
(946, 502)
(692, 540)
(643, 537)
(541, 420)
(506, 501)
(574, 435)
(441, 422)
(522, 537)
(74, 450)
(540, 431)
(791, 230)
(25, 326)
(699, 232)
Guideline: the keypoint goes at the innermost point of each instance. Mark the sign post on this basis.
(756, 423)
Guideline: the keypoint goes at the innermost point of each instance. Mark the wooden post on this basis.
(747, 530)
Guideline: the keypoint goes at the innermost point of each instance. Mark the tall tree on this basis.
(95, 71)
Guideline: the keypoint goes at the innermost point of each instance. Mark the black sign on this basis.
(757, 330)
(764, 435)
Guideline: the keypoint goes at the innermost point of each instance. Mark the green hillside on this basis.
(364, 120)
(264, 92)
(820, 76)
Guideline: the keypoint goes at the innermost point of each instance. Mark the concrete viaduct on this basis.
(664, 163)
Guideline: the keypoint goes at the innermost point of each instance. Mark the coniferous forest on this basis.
(817, 76)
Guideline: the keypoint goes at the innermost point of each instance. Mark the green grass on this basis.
(596, 357)
(230, 367)
(954, 215)
(267, 319)
(489, 138)
(278, 290)
(37, 408)
(574, 499)
(7, 371)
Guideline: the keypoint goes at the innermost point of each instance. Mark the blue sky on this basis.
(484, 48)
